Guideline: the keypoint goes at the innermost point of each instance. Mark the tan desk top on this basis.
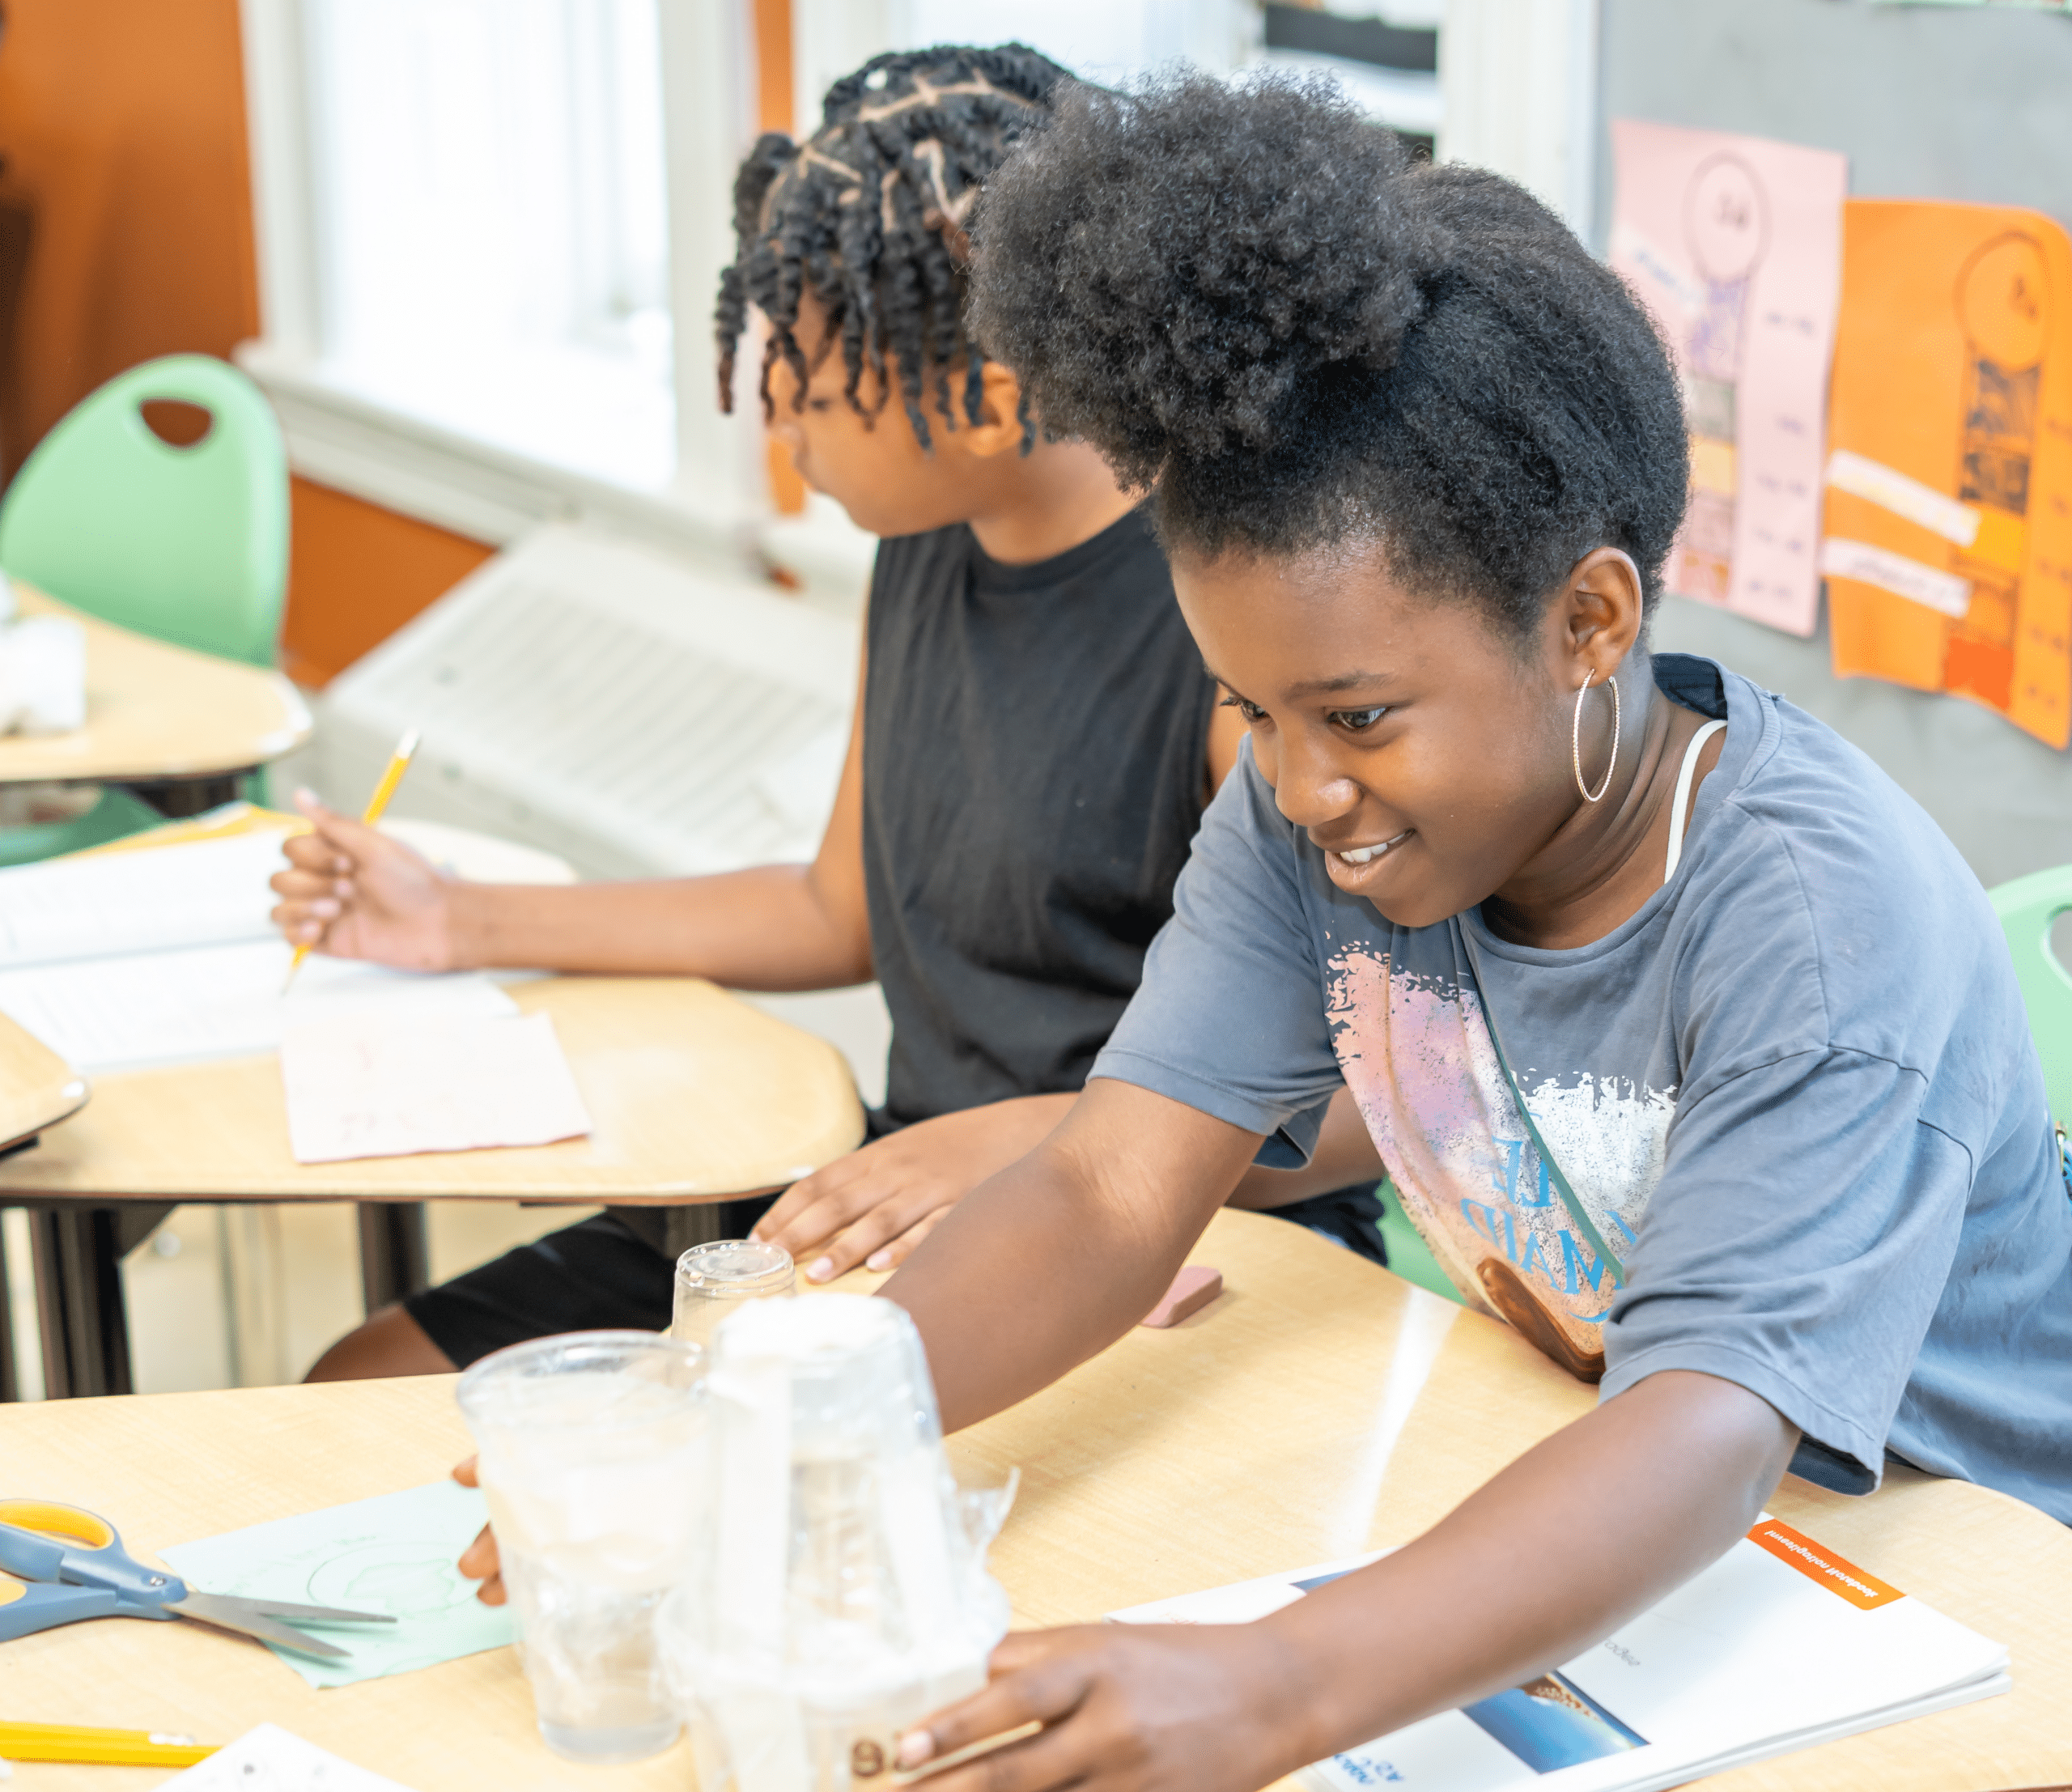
(1320, 1407)
(694, 1095)
(37, 1088)
(157, 711)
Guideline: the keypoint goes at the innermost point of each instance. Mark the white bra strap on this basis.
(1679, 804)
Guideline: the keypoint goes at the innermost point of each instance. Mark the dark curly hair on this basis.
(868, 215)
(1252, 300)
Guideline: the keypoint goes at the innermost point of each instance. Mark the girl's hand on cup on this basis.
(1123, 1707)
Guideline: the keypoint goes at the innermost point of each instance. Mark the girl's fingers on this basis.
(1052, 1760)
(1039, 1678)
(890, 1256)
(480, 1559)
(467, 1472)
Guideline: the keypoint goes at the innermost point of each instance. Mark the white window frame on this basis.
(1505, 109)
(716, 506)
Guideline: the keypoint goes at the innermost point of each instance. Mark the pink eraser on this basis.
(1192, 1289)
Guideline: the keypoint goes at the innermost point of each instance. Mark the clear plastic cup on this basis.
(841, 1593)
(594, 1456)
(713, 1279)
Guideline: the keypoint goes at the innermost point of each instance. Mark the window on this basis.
(490, 230)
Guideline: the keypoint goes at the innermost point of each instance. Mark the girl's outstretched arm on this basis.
(1062, 1252)
(1582, 1532)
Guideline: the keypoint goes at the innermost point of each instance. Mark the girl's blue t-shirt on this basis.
(1795, 1098)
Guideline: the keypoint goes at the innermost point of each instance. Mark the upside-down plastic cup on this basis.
(594, 1457)
(713, 1279)
(841, 1592)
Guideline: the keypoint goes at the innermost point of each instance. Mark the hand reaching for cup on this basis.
(479, 1561)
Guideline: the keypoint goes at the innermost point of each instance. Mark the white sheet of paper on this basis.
(270, 1759)
(218, 1001)
(363, 1086)
(205, 893)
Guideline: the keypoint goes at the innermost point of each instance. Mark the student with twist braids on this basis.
(1694, 1048)
(1033, 745)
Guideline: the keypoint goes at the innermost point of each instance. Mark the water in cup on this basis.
(594, 1454)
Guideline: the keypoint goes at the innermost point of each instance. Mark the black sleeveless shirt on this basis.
(1034, 747)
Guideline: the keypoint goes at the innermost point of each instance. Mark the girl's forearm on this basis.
(773, 927)
(1581, 1533)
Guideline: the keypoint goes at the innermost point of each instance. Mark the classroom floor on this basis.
(249, 1296)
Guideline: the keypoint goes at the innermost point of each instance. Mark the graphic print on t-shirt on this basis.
(1417, 1053)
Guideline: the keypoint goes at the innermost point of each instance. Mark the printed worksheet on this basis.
(147, 1008)
(1734, 243)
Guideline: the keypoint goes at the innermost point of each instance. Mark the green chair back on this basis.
(188, 545)
(116, 814)
(2026, 908)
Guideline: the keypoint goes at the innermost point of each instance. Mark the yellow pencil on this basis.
(64, 1742)
(406, 750)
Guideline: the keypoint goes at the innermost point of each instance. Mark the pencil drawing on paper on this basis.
(2002, 300)
(1726, 219)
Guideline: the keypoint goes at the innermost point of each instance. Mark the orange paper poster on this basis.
(1948, 547)
(1734, 244)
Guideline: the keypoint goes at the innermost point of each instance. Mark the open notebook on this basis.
(1779, 1645)
(123, 960)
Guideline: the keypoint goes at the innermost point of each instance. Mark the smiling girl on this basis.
(1694, 1048)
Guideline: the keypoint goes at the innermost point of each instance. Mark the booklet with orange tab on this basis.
(1779, 1645)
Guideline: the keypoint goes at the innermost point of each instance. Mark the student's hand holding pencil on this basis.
(351, 891)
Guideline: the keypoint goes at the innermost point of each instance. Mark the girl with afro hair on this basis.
(1694, 1048)
(1034, 744)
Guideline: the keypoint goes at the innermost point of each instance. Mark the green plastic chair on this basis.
(2026, 908)
(187, 545)
(1408, 1254)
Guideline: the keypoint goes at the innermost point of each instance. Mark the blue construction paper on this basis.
(394, 1553)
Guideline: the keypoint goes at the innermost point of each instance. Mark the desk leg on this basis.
(10, 1386)
(395, 1255)
(79, 1253)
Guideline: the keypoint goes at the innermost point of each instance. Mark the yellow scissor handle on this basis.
(51, 1520)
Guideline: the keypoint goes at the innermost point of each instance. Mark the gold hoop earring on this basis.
(1576, 740)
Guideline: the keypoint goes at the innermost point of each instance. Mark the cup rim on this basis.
(474, 1379)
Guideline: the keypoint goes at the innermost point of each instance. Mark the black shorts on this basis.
(606, 1272)
(611, 1272)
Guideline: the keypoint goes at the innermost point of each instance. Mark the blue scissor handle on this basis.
(25, 1609)
(41, 1541)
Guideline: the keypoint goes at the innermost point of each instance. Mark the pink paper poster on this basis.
(1734, 244)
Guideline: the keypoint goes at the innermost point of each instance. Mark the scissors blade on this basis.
(243, 1615)
(314, 1614)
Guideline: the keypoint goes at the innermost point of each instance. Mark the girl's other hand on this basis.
(873, 1206)
(351, 891)
(479, 1561)
(1124, 1708)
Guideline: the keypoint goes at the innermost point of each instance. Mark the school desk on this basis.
(694, 1097)
(37, 1089)
(1320, 1407)
(159, 715)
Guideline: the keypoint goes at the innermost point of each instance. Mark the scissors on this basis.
(75, 1566)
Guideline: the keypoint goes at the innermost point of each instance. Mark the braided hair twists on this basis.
(868, 215)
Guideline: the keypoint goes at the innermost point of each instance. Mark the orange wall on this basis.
(122, 129)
